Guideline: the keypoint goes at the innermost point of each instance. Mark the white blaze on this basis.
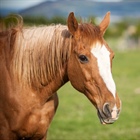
(103, 59)
(114, 112)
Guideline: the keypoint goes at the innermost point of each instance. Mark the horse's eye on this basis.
(83, 58)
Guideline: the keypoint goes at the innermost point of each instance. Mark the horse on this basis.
(36, 61)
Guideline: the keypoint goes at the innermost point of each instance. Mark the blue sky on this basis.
(21, 4)
(18, 4)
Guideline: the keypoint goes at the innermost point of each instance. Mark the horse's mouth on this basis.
(105, 120)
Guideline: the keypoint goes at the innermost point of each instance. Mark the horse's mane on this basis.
(39, 53)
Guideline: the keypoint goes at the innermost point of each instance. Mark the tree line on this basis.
(115, 30)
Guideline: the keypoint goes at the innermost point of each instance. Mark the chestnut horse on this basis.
(36, 61)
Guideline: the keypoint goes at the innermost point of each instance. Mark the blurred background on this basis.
(76, 118)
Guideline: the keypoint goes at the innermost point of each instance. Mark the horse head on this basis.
(89, 67)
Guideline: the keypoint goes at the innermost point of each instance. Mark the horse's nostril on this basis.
(107, 110)
(118, 111)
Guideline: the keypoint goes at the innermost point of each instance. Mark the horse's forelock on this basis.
(89, 32)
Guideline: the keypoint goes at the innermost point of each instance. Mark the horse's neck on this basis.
(50, 89)
(7, 39)
(40, 58)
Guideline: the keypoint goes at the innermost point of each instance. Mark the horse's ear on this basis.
(72, 23)
(105, 22)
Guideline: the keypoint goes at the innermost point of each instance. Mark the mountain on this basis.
(6, 11)
(84, 8)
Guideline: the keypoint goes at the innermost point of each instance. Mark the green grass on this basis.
(76, 118)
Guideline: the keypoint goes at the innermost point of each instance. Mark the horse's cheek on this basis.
(75, 75)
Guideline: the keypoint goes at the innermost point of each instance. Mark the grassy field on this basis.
(76, 118)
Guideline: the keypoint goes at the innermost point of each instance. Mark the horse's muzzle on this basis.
(108, 116)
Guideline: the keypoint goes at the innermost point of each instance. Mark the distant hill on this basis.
(83, 8)
(5, 11)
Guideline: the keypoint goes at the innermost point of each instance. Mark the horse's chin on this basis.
(107, 120)
(101, 119)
